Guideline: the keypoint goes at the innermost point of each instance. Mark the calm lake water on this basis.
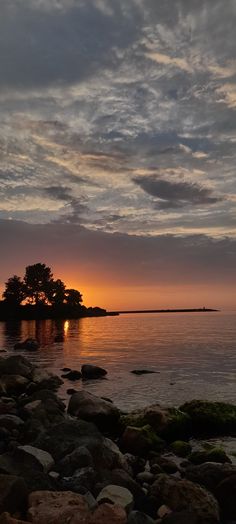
(194, 354)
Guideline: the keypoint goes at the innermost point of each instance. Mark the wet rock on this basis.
(92, 372)
(79, 458)
(108, 514)
(13, 494)
(11, 422)
(72, 375)
(211, 418)
(215, 455)
(47, 507)
(140, 441)
(226, 495)
(12, 384)
(210, 474)
(143, 371)
(41, 459)
(185, 495)
(86, 406)
(181, 448)
(116, 495)
(6, 518)
(169, 423)
(16, 365)
(30, 344)
(42, 379)
(137, 517)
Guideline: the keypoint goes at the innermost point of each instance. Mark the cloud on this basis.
(176, 194)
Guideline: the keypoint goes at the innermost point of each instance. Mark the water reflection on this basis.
(194, 354)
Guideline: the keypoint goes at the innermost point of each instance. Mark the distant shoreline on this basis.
(195, 310)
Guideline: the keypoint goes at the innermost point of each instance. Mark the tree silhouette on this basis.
(38, 281)
(73, 298)
(14, 292)
(57, 293)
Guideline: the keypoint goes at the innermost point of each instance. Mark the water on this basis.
(194, 354)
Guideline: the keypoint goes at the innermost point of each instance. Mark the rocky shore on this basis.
(91, 464)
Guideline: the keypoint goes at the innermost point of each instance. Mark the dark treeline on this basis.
(37, 295)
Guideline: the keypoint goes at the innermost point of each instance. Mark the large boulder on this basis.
(13, 494)
(86, 406)
(181, 495)
(210, 474)
(92, 372)
(38, 458)
(16, 365)
(169, 423)
(107, 514)
(211, 418)
(140, 441)
(46, 507)
(13, 384)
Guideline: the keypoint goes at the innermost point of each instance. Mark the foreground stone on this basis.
(117, 495)
(108, 514)
(47, 507)
(42, 460)
(92, 372)
(13, 494)
(181, 495)
(86, 406)
(6, 518)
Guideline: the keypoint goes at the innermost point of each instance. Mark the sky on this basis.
(118, 148)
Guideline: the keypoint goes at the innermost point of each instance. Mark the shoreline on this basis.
(117, 466)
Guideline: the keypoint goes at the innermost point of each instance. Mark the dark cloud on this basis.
(176, 194)
(119, 258)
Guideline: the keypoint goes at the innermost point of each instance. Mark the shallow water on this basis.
(193, 353)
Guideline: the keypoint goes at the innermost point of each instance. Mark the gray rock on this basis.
(43, 459)
(86, 406)
(117, 495)
(79, 458)
(145, 476)
(11, 422)
(16, 365)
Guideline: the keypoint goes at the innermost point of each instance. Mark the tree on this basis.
(38, 281)
(73, 298)
(57, 293)
(14, 292)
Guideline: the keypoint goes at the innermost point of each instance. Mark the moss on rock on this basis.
(211, 418)
(181, 448)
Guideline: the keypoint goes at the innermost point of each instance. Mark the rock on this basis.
(41, 459)
(184, 517)
(79, 458)
(211, 418)
(163, 511)
(226, 495)
(137, 517)
(16, 365)
(107, 514)
(13, 494)
(46, 507)
(71, 391)
(121, 478)
(42, 379)
(117, 495)
(120, 461)
(145, 476)
(73, 375)
(181, 448)
(12, 384)
(5, 518)
(140, 441)
(30, 344)
(86, 406)
(213, 455)
(91, 372)
(11, 422)
(143, 371)
(181, 495)
(166, 464)
(169, 423)
(210, 474)
(83, 479)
